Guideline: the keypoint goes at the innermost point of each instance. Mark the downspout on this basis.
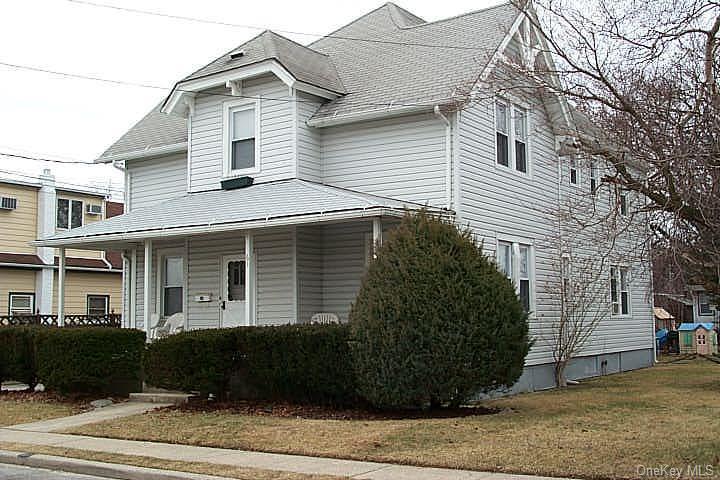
(120, 165)
(448, 156)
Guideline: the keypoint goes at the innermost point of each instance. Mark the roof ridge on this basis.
(397, 9)
(306, 47)
(332, 34)
(455, 17)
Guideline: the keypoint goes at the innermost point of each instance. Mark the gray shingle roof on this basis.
(408, 72)
(262, 202)
(303, 63)
(155, 129)
(404, 62)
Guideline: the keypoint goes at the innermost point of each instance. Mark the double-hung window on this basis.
(241, 138)
(511, 136)
(620, 290)
(623, 204)
(574, 178)
(69, 213)
(514, 260)
(98, 305)
(173, 275)
(593, 177)
(21, 303)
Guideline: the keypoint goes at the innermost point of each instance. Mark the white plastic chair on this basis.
(324, 318)
(168, 326)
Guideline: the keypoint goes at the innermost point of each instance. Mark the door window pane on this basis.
(236, 281)
(173, 301)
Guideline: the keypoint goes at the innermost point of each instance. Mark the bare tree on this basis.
(637, 85)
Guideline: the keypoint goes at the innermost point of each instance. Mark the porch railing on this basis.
(112, 320)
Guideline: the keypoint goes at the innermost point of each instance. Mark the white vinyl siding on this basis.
(402, 158)
(309, 139)
(156, 180)
(497, 205)
(276, 134)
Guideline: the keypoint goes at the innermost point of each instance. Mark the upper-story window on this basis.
(704, 304)
(593, 177)
(511, 136)
(574, 178)
(241, 154)
(69, 213)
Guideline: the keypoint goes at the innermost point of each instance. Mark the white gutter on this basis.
(448, 155)
(144, 153)
(226, 226)
(386, 112)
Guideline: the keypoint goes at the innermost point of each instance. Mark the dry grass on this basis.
(604, 428)
(15, 409)
(149, 462)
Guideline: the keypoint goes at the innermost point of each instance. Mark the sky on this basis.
(71, 119)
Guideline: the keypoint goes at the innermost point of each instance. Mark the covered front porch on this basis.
(270, 254)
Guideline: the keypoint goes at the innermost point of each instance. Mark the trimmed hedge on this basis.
(74, 360)
(17, 354)
(297, 363)
(435, 322)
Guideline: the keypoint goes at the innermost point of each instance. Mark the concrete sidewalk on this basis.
(111, 412)
(259, 460)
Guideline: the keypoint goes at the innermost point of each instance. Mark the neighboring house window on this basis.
(620, 290)
(21, 303)
(241, 135)
(172, 285)
(513, 260)
(98, 305)
(573, 171)
(69, 213)
(511, 143)
(704, 304)
(593, 178)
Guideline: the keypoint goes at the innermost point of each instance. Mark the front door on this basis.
(232, 301)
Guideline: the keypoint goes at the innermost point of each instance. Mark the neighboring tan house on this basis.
(31, 208)
(257, 191)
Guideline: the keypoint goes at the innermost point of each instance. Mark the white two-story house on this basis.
(256, 192)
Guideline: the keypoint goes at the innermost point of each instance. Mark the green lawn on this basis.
(604, 428)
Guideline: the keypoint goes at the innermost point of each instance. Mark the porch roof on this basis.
(270, 204)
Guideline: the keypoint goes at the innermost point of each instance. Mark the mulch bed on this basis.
(80, 401)
(315, 412)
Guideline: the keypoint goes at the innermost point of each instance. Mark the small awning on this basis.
(662, 314)
(271, 204)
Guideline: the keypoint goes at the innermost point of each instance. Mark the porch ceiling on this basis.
(271, 204)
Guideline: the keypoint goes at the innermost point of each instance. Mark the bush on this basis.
(295, 363)
(17, 354)
(198, 360)
(90, 360)
(298, 363)
(435, 322)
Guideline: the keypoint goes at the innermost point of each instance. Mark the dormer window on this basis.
(241, 155)
(511, 136)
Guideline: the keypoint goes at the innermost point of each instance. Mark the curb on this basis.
(98, 469)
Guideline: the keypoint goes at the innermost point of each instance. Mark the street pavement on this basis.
(14, 472)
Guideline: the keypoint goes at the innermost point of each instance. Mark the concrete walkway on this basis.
(111, 412)
(260, 460)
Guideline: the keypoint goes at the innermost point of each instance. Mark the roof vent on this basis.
(237, 54)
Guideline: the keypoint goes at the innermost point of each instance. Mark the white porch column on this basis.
(377, 234)
(132, 291)
(147, 286)
(249, 279)
(61, 288)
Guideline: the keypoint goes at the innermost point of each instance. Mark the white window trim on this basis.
(228, 108)
(511, 104)
(82, 213)
(104, 296)
(617, 268)
(13, 295)
(160, 255)
(515, 243)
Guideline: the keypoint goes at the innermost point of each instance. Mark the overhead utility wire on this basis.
(255, 27)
